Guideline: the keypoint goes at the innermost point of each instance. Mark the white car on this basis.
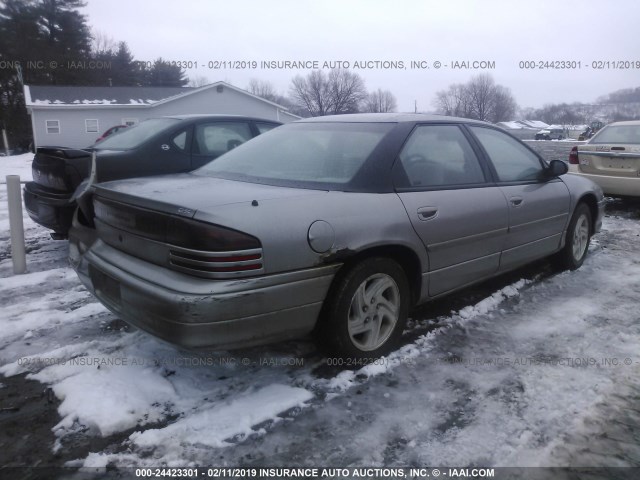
(611, 159)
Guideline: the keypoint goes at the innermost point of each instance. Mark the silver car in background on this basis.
(332, 225)
(611, 159)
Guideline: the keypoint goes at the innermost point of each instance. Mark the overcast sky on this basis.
(504, 32)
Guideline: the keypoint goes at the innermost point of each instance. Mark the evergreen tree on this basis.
(19, 37)
(164, 74)
(123, 70)
(45, 42)
(66, 40)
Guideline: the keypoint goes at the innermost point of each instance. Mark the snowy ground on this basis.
(531, 369)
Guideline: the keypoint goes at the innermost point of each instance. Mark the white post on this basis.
(14, 199)
(6, 142)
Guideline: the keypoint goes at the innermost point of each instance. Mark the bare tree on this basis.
(263, 89)
(504, 106)
(527, 113)
(454, 102)
(199, 81)
(481, 90)
(620, 105)
(102, 43)
(311, 93)
(381, 101)
(480, 98)
(564, 114)
(347, 91)
(341, 91)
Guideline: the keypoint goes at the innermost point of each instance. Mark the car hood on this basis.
(189, 193)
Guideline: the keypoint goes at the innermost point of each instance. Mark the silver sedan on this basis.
(332, 225)
(611, 159)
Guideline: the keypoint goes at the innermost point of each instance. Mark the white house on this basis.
(523, 129)
(75, 116)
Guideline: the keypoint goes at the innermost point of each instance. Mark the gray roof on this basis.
(77, 95)
(388, 117)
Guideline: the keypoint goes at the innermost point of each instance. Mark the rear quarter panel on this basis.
(359, 221)
(580, 188)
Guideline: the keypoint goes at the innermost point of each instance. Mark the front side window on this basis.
(53, 126)
(438, 155)
(218, 138)
(512, 161)
(134, 136)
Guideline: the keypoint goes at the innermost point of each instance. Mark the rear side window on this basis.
(180, 140)
(218, 138)
(265, 127)
(136, 135)
(314, 153)
(512, 161)
(439, 155)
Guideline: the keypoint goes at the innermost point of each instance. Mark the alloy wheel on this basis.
(374, 312)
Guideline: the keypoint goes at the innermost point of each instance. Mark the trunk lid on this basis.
(184, 194)
(57, 167)
(614, 160)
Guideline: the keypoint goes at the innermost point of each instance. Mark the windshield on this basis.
(618, 134)
(318, 153)
(136, 135)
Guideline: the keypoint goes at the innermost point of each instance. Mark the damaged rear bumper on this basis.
(47, 207)
(193, 312)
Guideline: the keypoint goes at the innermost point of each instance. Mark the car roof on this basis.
(628, 122)
(216, 116)
(388, 118)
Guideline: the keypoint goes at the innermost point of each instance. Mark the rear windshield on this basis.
(302, 153)
(136, 135)
(618, 134)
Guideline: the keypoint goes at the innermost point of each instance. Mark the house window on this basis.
(53, 126)
(91, 125)
(129, 121)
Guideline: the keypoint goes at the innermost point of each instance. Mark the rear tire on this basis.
(577, 240)
(366, 310)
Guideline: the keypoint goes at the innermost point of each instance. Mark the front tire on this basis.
(577, 241)
(366, 310)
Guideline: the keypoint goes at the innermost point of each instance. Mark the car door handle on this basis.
(427, 213)
(516, 201)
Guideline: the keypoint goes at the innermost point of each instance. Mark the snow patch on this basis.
(347, 378)
(216, 424)
(37, 278)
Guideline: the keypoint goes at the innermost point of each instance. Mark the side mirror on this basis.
(556, 168)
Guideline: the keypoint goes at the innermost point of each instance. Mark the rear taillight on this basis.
(205, 236)
(197, 248)
(211, 250)
(573, 156)
(212, 263)
(171, 229)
